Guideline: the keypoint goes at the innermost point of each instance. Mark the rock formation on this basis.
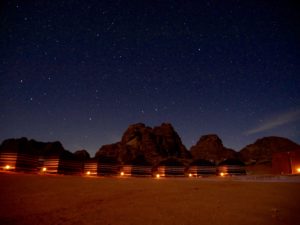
(34, 148)
(143, 145)
(262, 149)
(153, 144)
(82, 155)
(210, 147)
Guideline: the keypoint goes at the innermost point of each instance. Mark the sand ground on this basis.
(37, 199)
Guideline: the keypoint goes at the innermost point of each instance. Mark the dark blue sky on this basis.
(82, 71)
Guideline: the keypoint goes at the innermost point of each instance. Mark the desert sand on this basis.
(40, 199)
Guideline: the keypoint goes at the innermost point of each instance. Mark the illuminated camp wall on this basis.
(126, 169)
(107, 169)
(202, 170)
(136, 170)
(91, 167)
(69, 166)
(51, 164)
(286, 162)
(27, 162)
(232, 169)
(55, 164)
(8, 159)
(141, 171)
(165, 171)
(18, 162)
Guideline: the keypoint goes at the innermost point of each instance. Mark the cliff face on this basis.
(262, 149)
(210, 147)
(152, 144)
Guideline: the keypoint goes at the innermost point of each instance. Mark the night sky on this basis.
(81, 71)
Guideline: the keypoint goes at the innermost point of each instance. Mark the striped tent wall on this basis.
(106, 169)
(90, 168)
(202, 170)
(232, 170)
(172, 171)
(137, 171)
(69, 166)
(27, 163)
(51, 164)
(127, 170)
(8, 160)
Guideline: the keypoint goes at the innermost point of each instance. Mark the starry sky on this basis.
(81, 71)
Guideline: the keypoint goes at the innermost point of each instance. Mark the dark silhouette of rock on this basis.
(54, 148)
(110, 150)
(210, 147)
(171, 162)
(21, 145)
(262, 149)
(168, 142)
(82, 155)
(153, 144)
(202, 162)
(140, 160)
(108, 160)
(31, 155)
(231, 162)
(35, 148)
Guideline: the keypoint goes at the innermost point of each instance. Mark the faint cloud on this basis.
(277, 121)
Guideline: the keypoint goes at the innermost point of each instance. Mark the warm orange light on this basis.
(157, 176)
(298, 170)
(122, 173)
(7, 167)
(88, 172)
(222, 174)
(44, 169)
(190, 175)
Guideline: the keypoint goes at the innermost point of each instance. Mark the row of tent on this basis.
(98, 167)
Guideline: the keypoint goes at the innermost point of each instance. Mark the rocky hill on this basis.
(141, 141)
(210, 147)
(82, 154)
(35, 148)
(141, 144)
(262, 149)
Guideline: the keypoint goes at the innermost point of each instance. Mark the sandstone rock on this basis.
(210, 147)
(262, 149)
(82, 155)
(152, 144)
(32, 147)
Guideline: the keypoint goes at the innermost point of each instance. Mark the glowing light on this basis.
(222, 174)
(298, 170)
(190, 175)
(88, 172)
(157, 176)
(122, 173)
(44, 169)
(7, 167)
